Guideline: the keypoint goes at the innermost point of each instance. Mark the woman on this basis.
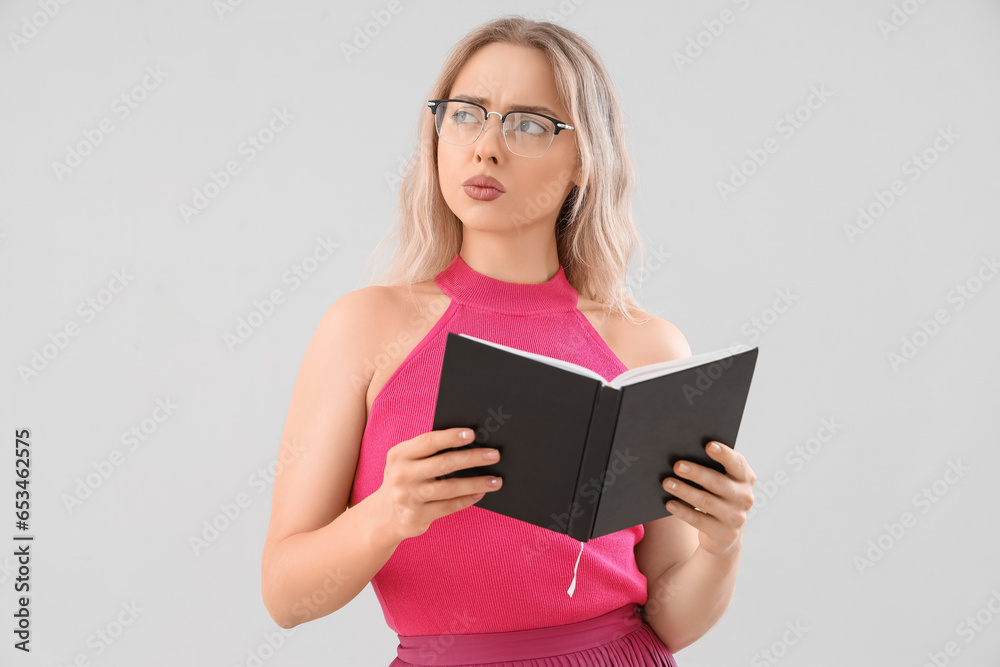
(517, 230)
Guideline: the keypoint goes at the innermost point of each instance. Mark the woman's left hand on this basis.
(723, 505)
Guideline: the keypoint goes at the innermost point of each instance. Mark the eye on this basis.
(531, 126)
(527, 126)
(463, 116)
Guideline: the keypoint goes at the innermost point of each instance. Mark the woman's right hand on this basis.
(411, 497)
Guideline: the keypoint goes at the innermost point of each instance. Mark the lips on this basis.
(485, 182)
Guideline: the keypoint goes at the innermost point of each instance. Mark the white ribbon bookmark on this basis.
(572, 586)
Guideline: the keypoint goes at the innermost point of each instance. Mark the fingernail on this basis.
(491, 455)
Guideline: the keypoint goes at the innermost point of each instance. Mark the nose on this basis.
(486, 123)
(486, 129)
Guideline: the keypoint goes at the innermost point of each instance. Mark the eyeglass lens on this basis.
(527, 134)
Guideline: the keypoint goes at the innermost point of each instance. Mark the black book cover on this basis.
(578, 455)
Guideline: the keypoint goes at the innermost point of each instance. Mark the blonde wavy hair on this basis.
(596, 235)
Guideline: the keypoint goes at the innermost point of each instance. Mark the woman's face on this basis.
(507, 77)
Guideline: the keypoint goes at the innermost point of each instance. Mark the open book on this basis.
(579, 455)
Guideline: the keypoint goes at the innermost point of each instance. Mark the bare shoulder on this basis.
(650, 340)
(386, 323)
(371, 311)
(357, 306)
(654, 339)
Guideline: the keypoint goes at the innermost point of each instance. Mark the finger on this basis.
(435, 441)
(728, 510)
(703, 500)
(707, 524)
(735, 464)
(440, 508)
(443, 490)
(704, 522)
(712, 480)
(448, 462)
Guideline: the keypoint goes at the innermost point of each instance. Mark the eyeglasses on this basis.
(460, 122)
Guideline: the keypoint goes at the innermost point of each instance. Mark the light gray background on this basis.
(824, 358)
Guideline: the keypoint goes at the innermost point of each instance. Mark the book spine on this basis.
(596, 452)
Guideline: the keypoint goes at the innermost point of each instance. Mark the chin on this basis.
(492, 221)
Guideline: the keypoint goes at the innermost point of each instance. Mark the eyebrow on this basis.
(519, 107)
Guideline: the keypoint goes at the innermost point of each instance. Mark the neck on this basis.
(517, 262)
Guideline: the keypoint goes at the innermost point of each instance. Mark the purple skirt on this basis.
(618, 638)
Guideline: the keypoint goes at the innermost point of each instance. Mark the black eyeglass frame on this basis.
(559, 125)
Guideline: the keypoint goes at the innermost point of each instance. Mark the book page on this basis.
(647, 372)
(558, 363)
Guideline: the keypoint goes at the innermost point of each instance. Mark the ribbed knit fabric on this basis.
(475, 570)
